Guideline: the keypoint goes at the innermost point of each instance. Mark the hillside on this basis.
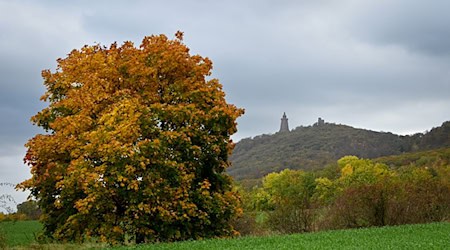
(315, 146)
(429, 158)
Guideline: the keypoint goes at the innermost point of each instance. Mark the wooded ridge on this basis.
(315, 146)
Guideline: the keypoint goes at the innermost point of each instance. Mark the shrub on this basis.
(290, 193)
(421, 202)
(292, 219)
(248, 225)
(359, 206)
(392, 202)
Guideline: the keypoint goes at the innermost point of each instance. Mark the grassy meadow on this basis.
(21, 235)
(424, 236)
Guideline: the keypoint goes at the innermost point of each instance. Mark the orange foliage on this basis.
(138, 143)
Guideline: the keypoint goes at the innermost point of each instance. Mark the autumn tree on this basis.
(289, 195)
(137, 145)
(358, 197)
(353, 173)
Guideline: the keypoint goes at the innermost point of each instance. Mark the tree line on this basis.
(27, 210)
(352, 193)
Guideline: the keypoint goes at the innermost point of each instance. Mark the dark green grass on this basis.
(426, 236)
(20, 233)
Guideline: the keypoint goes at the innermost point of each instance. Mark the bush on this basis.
(290, 193)
(360, 206)
(363, 194)
(292, 219)
(390, 203)
(248, 225)
(427, 201)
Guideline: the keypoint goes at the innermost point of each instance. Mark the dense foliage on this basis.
(138, 141)
(27, 210)
(315, 146)
(353, 193)
(30, 209)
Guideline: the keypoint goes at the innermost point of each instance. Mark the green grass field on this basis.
(425, 236)
(20, 233)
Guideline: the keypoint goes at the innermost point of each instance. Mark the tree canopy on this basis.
(30, 209)
(354, 193)
(137, 144)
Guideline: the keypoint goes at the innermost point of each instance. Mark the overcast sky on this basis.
(383, 65)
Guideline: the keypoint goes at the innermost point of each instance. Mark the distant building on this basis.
(321, 122)
(284, 127)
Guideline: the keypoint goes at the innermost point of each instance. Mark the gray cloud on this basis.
(414, 25)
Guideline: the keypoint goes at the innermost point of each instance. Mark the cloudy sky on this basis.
(383, 65)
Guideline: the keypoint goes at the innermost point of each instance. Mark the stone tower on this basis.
(284, 123)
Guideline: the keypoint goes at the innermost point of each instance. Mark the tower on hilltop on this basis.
(284, 127)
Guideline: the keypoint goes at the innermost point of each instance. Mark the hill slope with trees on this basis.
(313, 147)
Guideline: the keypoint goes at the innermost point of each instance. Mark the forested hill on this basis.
(315, 146)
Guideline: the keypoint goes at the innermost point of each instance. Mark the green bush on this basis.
(249, 224)
(396, 201)
(355, 193)
(421, 202)
(285, 198)
(361, 206)
(292, 219)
